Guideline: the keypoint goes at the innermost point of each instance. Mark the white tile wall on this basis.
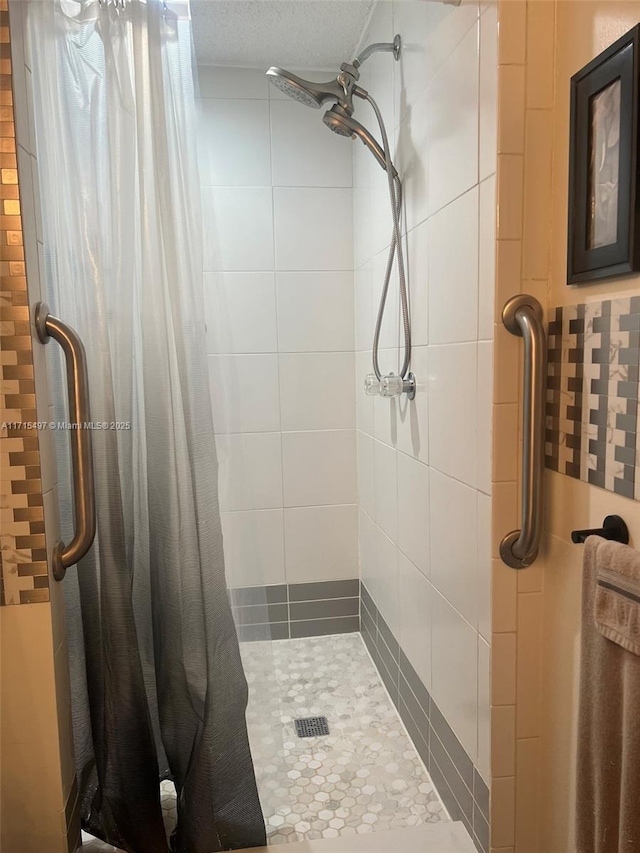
(453, 142)
(452, 410)
(250, 475)
(315, 311)
(279, 300)
(415, 618)
(454, 670)
(303, 154)
(454, 536)
(234, 144)
(237, 228)
(453, 271)
(316, 390)
(413, 511)
(313, 227)
(321, 542)
(386, 489)
(365, 447)
(319, 467)
(254, 546)
(241, 312)
(386, 587)
(245, 392)
(424, 475)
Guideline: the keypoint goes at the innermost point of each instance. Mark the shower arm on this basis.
(379, 47)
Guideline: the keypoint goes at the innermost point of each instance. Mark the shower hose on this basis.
(395, 248)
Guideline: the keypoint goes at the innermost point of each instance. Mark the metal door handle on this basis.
(48, 326)
(522, 316)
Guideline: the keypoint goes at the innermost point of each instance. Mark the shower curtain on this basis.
(158, 688)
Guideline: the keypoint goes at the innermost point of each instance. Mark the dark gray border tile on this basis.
(321, 627)
(419, 742)
(255, 633)
(246, 595)
(454, 780)
(370, 643)
(260, 614)
(415, 683)
(385, 631)
(367, 619)
(387, 658)
(481, 793)
(368, 601)
(389, 679)
(415, 709)
(455, 750)
(324, 589)
(324, 609)
(445, 794)
(481, 834)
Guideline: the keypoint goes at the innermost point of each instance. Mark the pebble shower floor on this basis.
(364, 776)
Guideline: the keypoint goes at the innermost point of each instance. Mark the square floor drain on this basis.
(312, 726)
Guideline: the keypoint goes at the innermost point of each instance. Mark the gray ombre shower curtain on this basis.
(157, 681)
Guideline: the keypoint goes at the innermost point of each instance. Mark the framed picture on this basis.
(604, 219)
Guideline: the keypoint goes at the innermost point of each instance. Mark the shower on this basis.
(339, 118)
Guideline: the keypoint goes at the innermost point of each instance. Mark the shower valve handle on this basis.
(390, 385)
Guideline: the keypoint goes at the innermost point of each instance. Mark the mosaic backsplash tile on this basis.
(23, 557)
(592, 394)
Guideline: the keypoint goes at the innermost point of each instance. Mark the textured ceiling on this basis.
(291, 33)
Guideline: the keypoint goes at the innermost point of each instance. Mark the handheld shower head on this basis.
(312, 94)
(340, 122)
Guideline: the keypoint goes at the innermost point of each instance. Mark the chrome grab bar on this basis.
(522, 316)
(48, 326)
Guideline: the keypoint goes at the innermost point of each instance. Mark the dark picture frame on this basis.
(604, 197)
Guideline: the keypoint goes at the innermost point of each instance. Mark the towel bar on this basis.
(613, 528)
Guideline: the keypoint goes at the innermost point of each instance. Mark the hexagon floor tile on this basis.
(364, 776)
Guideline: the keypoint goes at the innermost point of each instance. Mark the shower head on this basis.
(340, 122)
(339, 118)
(308, 93)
